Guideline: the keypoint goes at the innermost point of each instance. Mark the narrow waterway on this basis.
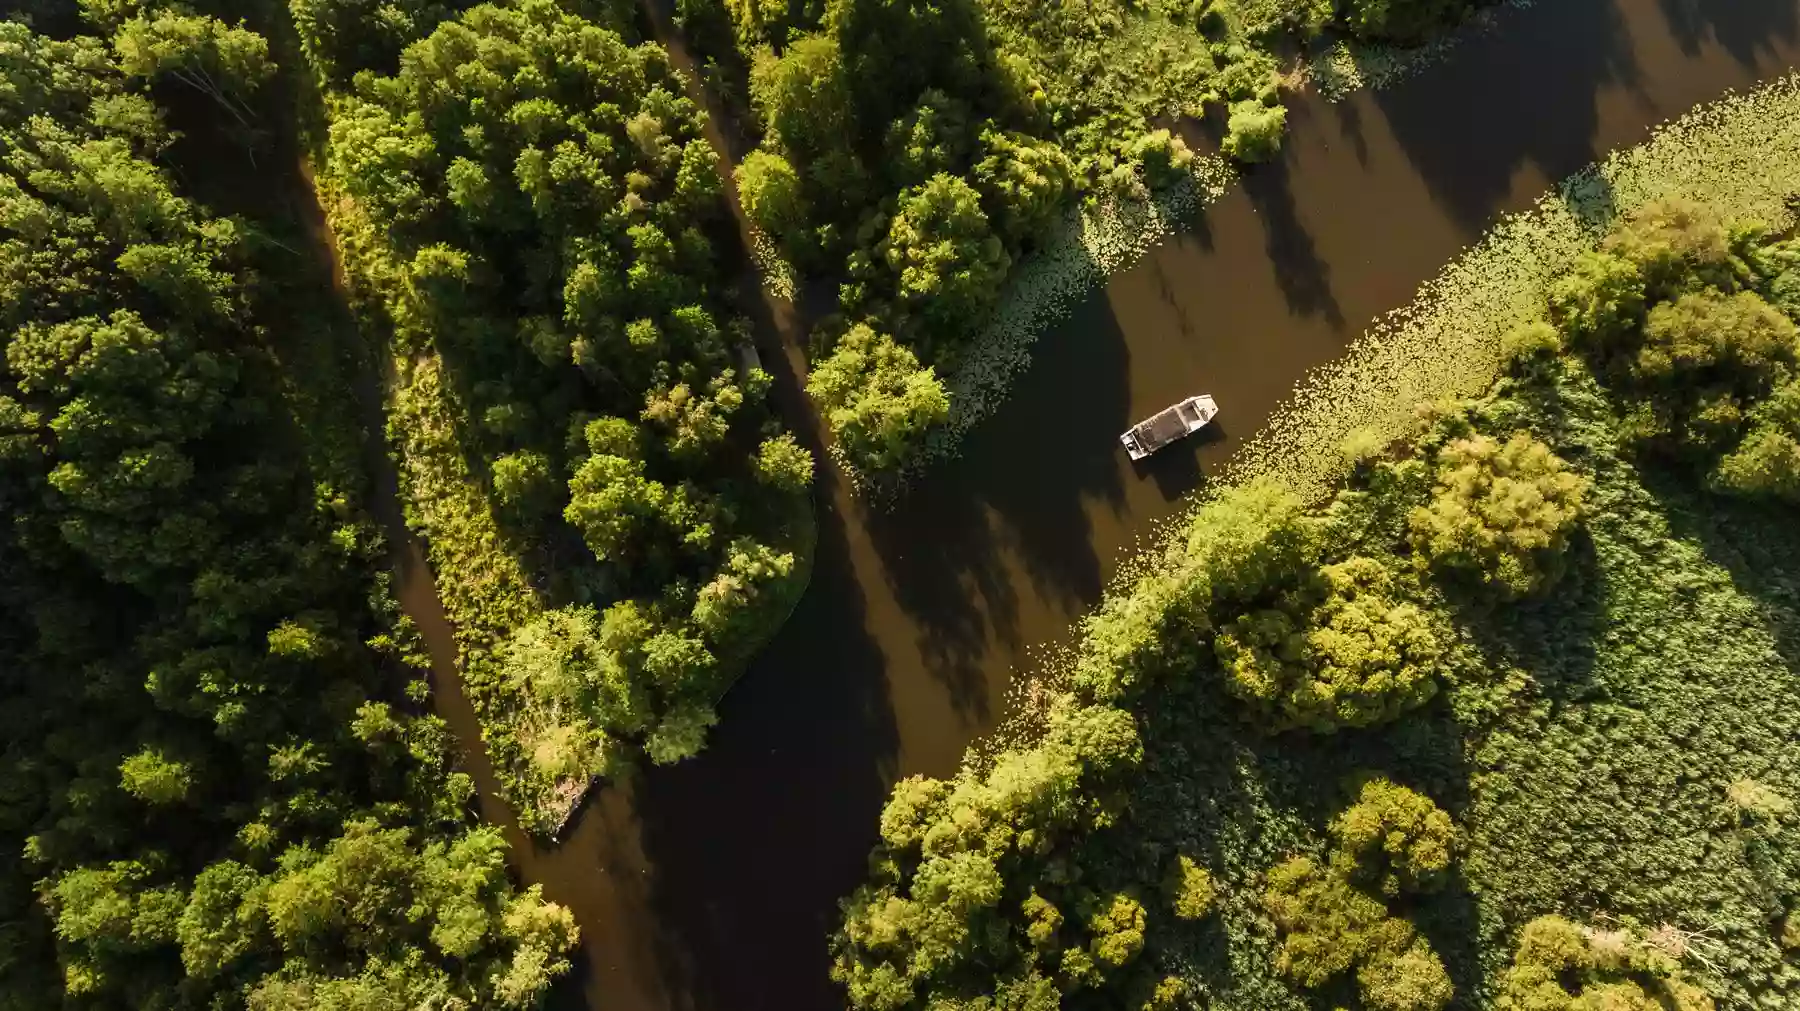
(713, 884)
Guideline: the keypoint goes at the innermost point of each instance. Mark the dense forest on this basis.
(218, 784)
(1509, 721)
(912, 152)
(528, 210)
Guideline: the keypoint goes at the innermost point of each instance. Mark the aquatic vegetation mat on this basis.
(1349, 66)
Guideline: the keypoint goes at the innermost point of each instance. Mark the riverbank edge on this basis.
(1737, 154)
(1092, 244)
(486, 590)
(1087, 247)
(1731, 153)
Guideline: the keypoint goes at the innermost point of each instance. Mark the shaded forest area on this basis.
(1507, 722)
(219, 782)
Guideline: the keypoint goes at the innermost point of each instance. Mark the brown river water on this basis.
(712, 885)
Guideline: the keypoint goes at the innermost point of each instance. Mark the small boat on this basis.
(1171, 424)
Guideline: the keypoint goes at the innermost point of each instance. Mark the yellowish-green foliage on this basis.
(1188, 888)
(1737, 155)
(876, 399)
(1413, 980)
(1503, 511)
(1706, 359)
(1341, 649)
(1767, 461)
(1563, 965)
(1754, 803)
(1393, 839)
(1329, 927)
(1254, 131)
(1116, 923)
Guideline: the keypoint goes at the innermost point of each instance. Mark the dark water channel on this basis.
(712, 885)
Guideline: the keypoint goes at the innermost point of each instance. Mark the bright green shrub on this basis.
(957, 885)
(728, 608)
(1501, 511)
(524, 484)
(1162, 157)
(1338, 651)
(1188, 888)
(1328, 926)
(1598, 302)
(772, 197)
(155, 778)
(1676, 245)
(783, 464)
(1561, 965)
(1169, 995)
(1116, 924)
(1024, 183)
(1250, 543)
(946, 261)
(1767, 461)
(1393, 839)
(568, 657)
(1706, 360)
(1412, 980)
(879, 403)
(1254, 131)
(1531, 342)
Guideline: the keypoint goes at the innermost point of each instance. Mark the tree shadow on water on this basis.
(756, 840)
(1522, 95)
(1745, 28)
(1008, 518)
(1304, 278)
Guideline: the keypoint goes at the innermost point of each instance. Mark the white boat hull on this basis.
(1168, 426)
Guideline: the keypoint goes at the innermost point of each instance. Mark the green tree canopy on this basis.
(1502, 511)
(946, 260)
(880, 404)
(1394, 839)
(1340, 650)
